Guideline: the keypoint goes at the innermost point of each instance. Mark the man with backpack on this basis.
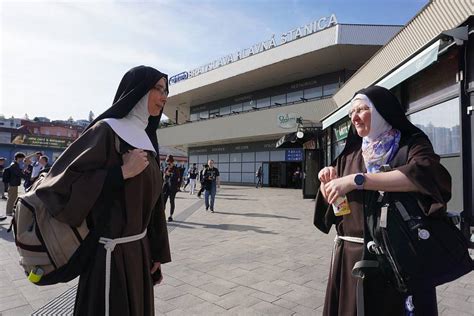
(12, 176)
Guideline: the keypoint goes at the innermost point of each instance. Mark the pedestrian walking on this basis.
(211, 183)
(13, 176)
(201, 179)
(172, 180)
(113, 167)
(379, 129)
(259, 175)
(2, 184)
(192, 176)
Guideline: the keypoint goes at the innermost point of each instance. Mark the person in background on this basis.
(15, 174)
(2, 184)
(192, 175)
(211, 183)
(171, 184)
(201, 179)
(259, 175)
(297, 176)
(44, 166)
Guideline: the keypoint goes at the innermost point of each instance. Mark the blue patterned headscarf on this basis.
(381, 144)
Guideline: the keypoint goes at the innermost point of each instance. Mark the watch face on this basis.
(359, 179)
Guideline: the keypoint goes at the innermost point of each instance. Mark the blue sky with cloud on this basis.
(65, 58)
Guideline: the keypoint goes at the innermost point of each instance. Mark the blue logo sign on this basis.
(294, 154)
(177, 78)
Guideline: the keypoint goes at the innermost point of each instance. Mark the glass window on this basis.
(223, 167)
(202, 159)
(237, 157)
(193, 159)
(312, 93)
(278, 99)
(338, 147)
(204, 115)
(263, 103)
(223, 157)
(441, 124)
(262, 156)
(236, 108)
(213, 157)
(224, 176)
(235, 177)
(248, 177)
(330, 89)
(213, 113)
(193, 117)
(235, 167)
(250, 157)
(248, 105)
(278, 155)
(225, 110)
(294, 96)
(248, 166)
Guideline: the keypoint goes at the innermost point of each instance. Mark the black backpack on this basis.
(408, 247)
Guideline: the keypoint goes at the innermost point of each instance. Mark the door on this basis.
(312, 164)
(266, 173)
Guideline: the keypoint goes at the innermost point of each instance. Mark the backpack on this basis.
(6, 175)
(408, 247)
(51, 251)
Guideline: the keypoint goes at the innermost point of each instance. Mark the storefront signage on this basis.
(342, 130)
(294, 154)
(41, 141)
(294, 34)
(287, 120)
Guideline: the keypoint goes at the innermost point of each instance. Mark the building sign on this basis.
(342, 130)
(178, 77)
(294, 34)
(40, 141)
(295, 154)
(287, 120)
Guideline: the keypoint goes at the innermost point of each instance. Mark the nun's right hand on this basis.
(134, 162)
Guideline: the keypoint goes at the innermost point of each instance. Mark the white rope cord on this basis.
(356, 240)
(109, 245)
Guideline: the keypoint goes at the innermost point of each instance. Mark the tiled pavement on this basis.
(257, 255)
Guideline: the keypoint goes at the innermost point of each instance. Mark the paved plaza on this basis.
(258, 254)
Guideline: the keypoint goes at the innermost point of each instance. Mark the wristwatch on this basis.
(359, 181)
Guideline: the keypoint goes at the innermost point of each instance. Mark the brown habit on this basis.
(433, 182)
(85, 181)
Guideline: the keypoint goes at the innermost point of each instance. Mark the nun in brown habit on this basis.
(112, 171)
(379, 128)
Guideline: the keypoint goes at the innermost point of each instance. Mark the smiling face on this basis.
(360, 117)
(157, 97)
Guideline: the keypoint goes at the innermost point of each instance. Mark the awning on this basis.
(414, 65)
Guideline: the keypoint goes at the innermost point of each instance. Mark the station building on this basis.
(234, 110)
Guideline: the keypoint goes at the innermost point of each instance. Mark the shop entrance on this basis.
(281, 174)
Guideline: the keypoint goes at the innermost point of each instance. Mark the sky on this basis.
(62, 59)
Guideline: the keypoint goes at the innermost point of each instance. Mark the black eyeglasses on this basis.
(161, 90)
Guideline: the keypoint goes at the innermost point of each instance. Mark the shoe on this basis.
(2, 218)
(170, 219)
(4, 198)
(212, 210)
(207, 208)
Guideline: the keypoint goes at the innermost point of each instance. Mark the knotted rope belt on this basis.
(109, 245)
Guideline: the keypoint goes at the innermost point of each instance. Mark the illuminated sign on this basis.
(294, 34)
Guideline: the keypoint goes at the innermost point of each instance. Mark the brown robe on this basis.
(86, 181)
(434, 184)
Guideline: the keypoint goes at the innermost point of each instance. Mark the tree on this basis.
(26, 117)
(91, 116)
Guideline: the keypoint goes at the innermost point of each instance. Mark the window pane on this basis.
(213, 157)
(193, 159)
(235, 167)
(263, 103)
(193, 117)
(278, 99)
(262, 156)
(212, 113)
(237, 157)
(235, 177)
(441, 124)
(248, 105)
(294, 96)
(236, 107)
(248, 167)
(313, 93)
(250, 157)
(223, 157)
(223, 167)
(204, 115)
(330, 89)
(278, 155)
(248, 177)
(224, 176)
(202, 159)
(225, 110)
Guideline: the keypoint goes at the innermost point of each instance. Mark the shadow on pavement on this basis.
(233, 199)
(232, 227)
(259, 215)
(8, 236)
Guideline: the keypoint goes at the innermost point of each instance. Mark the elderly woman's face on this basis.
(157, 97)
(360, 117)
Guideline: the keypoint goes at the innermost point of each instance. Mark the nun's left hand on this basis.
(339, 187)
(156, 266)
